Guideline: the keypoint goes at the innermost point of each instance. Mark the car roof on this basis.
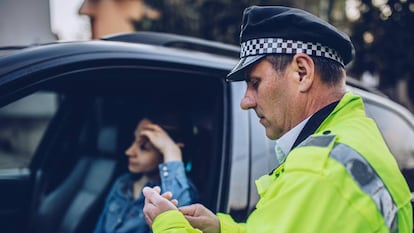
(98, 50)
(155, 46)
(177, 41)
(385, 102)
(163, 48)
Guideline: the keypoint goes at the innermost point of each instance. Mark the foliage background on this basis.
(382, 32)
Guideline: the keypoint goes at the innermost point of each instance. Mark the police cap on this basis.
(283, 30)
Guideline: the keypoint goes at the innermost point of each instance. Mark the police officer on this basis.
(336, 173)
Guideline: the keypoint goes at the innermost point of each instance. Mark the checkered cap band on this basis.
(282, 46)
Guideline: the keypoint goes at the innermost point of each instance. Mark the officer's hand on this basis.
(202, 218)
(156, 204)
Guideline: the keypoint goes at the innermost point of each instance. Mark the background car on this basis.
(67, 111)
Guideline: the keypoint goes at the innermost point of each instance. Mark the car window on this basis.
(395, 122)
(22, 125)
(397, 130)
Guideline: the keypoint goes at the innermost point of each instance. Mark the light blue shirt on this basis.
(284, 144)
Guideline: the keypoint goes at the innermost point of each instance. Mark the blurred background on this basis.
(382, 30)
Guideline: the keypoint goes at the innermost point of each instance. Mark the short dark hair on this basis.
(279, 61)
(331, 72)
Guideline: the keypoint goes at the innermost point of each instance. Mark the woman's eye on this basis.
(144, 145)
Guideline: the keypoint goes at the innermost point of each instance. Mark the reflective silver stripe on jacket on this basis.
(369, 182)
(363, 174)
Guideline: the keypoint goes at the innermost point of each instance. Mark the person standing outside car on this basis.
(336, 173)
(117, 16)
(155, 160)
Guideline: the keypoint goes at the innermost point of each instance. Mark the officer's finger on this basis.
(157, 189)
(154, 198)
(175, 202)
(150, 209)
(147, 216)
(150, 194)
(188, 210)
(167, 195)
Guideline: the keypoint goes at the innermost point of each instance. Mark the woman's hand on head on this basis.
(163, 142)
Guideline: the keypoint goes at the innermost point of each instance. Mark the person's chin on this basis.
(270, 134)
(134, 169)
(262, 121)
(266, 126)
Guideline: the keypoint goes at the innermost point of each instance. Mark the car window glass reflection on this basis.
(22, 125)
(396, 130)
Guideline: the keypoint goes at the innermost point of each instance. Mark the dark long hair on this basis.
(175, 123)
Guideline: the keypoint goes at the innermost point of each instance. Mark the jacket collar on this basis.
(314, 122)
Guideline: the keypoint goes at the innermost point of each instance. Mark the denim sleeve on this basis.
(174, 180)
(99, 228)
(99, 225)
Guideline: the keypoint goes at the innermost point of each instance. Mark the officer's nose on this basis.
(88, 8)
(248, 101)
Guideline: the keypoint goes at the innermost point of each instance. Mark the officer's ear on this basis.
(304, 71)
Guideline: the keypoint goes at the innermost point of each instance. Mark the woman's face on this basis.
(143, 157)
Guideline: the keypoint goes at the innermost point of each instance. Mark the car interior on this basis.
(83, 149)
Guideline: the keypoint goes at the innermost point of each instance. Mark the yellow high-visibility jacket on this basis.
(343, 178)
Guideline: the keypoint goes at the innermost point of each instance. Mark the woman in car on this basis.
(154, 159)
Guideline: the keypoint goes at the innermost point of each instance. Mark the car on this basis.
(67, 110)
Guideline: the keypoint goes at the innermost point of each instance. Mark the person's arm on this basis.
(100, 223)
(163, 216)
(172, 221)
(99, 227)
(304, 201)
(174, 180)
(228, 225)
(172, 172)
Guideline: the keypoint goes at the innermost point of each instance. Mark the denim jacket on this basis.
(124, 214)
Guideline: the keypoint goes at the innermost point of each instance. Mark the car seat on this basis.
(74, 206)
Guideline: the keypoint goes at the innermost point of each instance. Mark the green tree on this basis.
(217, 20)
(383, 37)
